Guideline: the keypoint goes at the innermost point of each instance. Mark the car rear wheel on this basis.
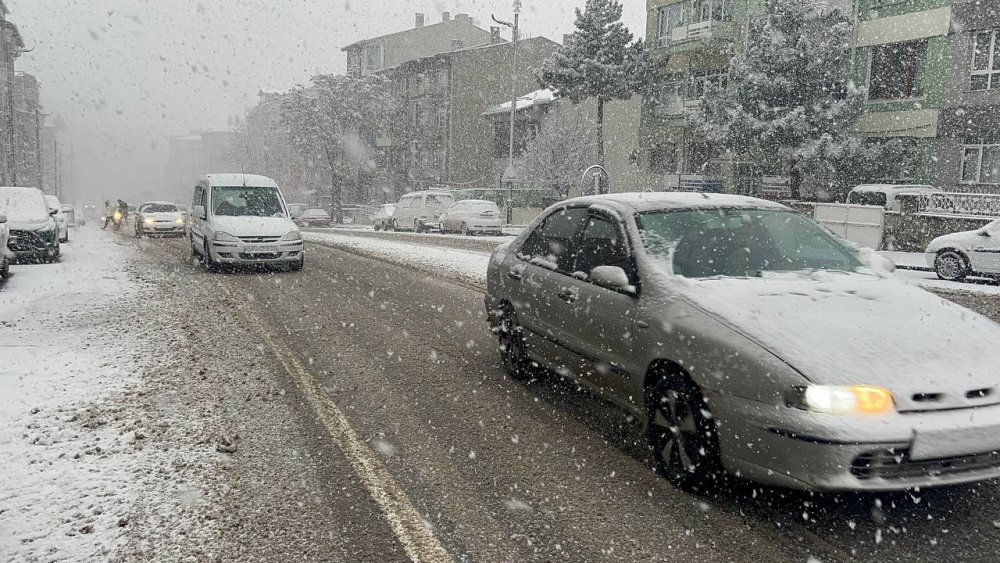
(513, 351)
(682, 434)
(951, 265)
(416, 226)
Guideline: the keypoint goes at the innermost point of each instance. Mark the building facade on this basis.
(28, 123)
(11, 45)
(376, 54)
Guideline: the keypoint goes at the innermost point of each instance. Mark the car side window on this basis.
(602, 243)
(551, 244)
(197, 196)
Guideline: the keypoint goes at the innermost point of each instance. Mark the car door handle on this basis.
(569, 295)
(515, 274)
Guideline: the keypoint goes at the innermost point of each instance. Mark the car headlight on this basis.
(292, 235)
(856, 399)
(150, 220)
(179, 221)
(224, 237)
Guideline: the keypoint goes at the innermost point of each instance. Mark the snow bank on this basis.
(467, 265)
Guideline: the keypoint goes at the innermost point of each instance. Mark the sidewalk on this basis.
(908, 260)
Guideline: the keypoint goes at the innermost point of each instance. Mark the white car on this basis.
(382, 220)
(242, 219)
(159, 218)
(958, 255)
(420, 211)
(55, 205)
(886, 195)
(5, 254)
(472, 216)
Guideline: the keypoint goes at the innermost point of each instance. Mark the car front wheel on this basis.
(682, 434)
(951, 265)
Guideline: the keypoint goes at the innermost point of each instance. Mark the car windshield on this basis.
(160, 208)
(867, 198)
(481, 206)
(439, 200)
(246, 201)
(741, 242)
(23, 206)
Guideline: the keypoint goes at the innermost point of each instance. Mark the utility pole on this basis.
(509, 176)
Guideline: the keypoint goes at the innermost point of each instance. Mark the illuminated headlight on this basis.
(224, 237)
(856, 399)
(293, 235)
(179, 221)
(150, 220)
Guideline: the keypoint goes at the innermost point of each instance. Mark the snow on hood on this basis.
(253, 226)
(848, 329)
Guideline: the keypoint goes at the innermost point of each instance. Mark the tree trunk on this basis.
(335, 189)
(795, 182)
(600, 130)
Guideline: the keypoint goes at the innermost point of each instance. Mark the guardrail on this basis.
(976, 205)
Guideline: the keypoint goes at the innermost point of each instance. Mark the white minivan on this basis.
(419, 211)
(242, 219)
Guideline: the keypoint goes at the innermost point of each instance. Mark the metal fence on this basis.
(976, 205)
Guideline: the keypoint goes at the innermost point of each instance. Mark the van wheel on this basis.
(465, 230)
(297, 266)
(210, 265)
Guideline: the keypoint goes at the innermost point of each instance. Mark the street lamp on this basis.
(510, 175)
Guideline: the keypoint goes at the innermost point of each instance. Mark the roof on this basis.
(654, 201)
(536, 98)
(893, 188)
(457, 18)
(241, 180)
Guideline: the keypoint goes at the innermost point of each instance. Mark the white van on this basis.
(886, 195)
(419, 211)
(242, 219)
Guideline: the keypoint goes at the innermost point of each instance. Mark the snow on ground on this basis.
(77, 472)
(467, 265)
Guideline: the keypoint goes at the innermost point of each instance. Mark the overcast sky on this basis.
(124, 74)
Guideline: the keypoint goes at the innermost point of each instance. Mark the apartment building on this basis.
(376, 54)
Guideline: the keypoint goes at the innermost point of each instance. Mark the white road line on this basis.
(411, 529)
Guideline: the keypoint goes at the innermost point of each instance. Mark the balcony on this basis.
(702, 31)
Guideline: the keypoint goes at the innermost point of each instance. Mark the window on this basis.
(373, 57)
(704, 80)
(986, 61)
(442, 118)
(710, 10)
(671, 17)
(670, 95)
(602, 244)
(897, 71)
(550, 244)
(417, 117)
(981, 160)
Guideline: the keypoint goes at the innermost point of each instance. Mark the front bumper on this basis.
(171, 228)
(804, 450)
(32, 245)
(281, 252)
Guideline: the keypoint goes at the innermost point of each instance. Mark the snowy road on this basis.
(356, 411)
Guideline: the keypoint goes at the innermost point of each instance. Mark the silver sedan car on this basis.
(751, 341)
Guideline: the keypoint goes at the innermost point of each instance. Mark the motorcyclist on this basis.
(108, 214)
(123, 207)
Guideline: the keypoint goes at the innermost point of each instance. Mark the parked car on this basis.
(750, 341)
(420, 211)
(959, 255)
(241, 219)
(314, 218)
(159, 218)
(54, 205)
(296, 209)
(886, 195)
(471, 216)
(34, 234)
(71, 218)
(5, 253)
(382, 220)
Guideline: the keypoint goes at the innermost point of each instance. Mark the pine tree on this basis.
(599, 60)
(790, 101)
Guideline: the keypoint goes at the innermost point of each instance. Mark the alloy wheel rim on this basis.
(950, 266)
(678, 432)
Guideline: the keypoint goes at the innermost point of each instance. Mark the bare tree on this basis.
(337, 119)
(558, 155)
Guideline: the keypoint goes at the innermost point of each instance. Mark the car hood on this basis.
(962, 239)
(253, 226)
(32, 225)
(850, 329)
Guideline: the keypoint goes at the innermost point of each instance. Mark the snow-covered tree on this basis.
(790, 102)
(599, 60)
(559, 154)
(336, 118)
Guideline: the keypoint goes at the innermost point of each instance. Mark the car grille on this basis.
(258, 240)
(24, 241)
(260, 256)
(896, 465)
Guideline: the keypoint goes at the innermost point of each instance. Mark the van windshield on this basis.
(440, 199)
(246, 201)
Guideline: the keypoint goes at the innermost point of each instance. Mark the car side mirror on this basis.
(53, 212)
(199, 212)
(985, 234)
(3, 218)
(612, 277)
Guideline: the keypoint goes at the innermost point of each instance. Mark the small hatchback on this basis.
(241, 219)
(959, 255)
(159, 219)
(751, 340)
(34, 233)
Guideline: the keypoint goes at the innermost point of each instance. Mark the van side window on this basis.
(197, 196)
(877, 199)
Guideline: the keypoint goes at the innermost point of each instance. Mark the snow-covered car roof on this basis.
(653, 201)
(895, 188)
(252, 180)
